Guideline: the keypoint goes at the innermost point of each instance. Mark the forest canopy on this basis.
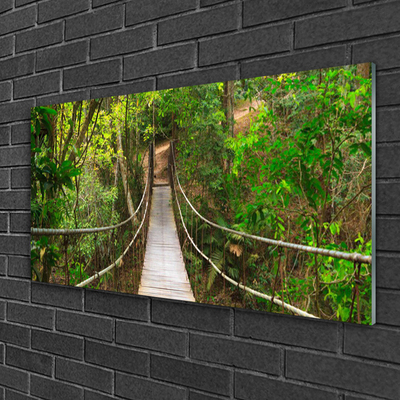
(286, 157)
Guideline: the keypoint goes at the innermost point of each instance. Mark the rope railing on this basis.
(66, 232)
(355, 257)
(110, 267)
(52, 232)
(147, 191)
(241, 286)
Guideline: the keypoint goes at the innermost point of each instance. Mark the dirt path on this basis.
(162, 149)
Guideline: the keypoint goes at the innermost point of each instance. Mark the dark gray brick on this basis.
(20, 178)
(21, 133)
(39, 37)
(199, 77)
(62, 56)
(17, 20)
(145, 85)
(56, 343)
(387, 234)
(4, 178)
(85, 325)
(2, 310)
(14, 200)
(386, 93)
(37, 84)
(117, 358)
(51, 389)
(12, 395)
(64, 97)
(146, 10)
(16, 111)
(260, 11)
(387, 125)
(151, 337)
(358, 376)
(31, 315)
(199, 317)
(205, 3)
(13, 378)
(10, 333)
(19, 267)
(199, 24)
(15, 245)
(387, 195)
(295, 62)
(134, 388)
(361, 1)
(29, 360)
(6, 5)
(20, 222)
(103, 20)
(89, 395)
(251, 387)
(54, 9)
(19, 3)
(3, 265)
(16, 66)
(341, 26)
(93, 74)
(2, 347)
(5, 91)
(117, 305)
(56, 295)
(386, 305)
(279, 329)
(383, 52)
(170, 59)
(387, 273)
(235, 353)
(372, 342)
(247, 44)
(14, 289)
(84, 374)
(386, 161)
(201, 396)
(186, 373)
(4, 141)
(4, 222)
(6, 46)
(99, 3)
(127, 41)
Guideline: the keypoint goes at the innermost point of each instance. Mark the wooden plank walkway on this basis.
(164, 273)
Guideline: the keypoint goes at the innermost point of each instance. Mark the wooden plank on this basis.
(164, 273)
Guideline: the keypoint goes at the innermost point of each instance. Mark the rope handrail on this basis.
(110, 267)
(241, 286)
(356, 257)
(45, 231)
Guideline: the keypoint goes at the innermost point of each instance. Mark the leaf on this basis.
(352, 98)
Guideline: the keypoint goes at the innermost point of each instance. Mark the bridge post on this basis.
(170, 165)
(151, 165)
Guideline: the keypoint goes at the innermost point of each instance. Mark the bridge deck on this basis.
(164, 273)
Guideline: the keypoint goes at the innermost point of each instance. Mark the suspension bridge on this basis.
(164, 273)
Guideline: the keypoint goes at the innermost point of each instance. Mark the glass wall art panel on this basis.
(256, 194)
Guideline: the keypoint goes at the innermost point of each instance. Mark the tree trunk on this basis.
(124, 175)
(92, 108)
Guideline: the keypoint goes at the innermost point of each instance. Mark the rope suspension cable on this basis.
(44, 231)
(110, 267)
(355, 257)
(247, 289)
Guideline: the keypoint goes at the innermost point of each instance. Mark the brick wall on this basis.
(67, 343)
